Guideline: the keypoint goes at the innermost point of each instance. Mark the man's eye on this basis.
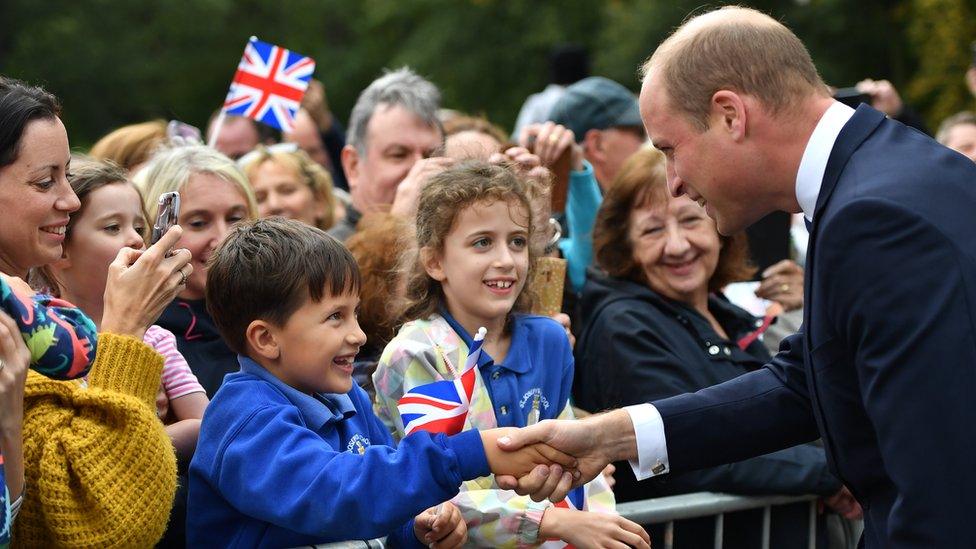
(44, 185)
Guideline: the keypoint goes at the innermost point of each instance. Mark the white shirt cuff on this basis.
(652, 449)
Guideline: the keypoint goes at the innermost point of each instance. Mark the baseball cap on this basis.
(596, 103)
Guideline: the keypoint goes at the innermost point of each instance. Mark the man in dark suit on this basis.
(884, 370)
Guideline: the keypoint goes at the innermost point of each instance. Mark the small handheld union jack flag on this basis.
(442, 406)
(269, 84)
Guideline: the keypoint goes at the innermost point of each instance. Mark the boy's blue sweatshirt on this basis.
(275, 467)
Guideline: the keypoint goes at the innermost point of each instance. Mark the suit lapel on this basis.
(857, 129)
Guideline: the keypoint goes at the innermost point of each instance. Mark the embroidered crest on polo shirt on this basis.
(532, 395)
(358, 444)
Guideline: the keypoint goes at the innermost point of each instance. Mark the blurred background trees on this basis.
(115, 62)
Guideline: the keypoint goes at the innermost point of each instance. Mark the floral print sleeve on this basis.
(60, 337)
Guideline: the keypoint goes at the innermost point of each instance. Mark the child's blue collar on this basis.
(486, 360)
(318, 410)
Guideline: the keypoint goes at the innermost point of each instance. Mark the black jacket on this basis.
(199, 342)
(636, 346)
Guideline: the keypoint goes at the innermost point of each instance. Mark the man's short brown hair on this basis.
(267, 269)
(737, 49)
(642, 182)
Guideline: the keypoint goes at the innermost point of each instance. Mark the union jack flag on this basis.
(442, 406)
(269, 84)
(576, 499)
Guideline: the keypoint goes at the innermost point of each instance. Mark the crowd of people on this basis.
(239, 381)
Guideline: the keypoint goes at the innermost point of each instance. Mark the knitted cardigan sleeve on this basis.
(100, 469)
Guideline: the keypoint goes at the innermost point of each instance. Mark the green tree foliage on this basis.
(115, 62)
(940, 32)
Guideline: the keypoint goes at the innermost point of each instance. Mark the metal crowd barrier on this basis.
(669, 509)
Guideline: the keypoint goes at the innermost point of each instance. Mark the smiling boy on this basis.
(290, 452)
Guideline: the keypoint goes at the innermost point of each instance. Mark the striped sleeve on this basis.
(178, 380)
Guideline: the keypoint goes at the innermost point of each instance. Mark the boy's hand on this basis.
(441, 527)
(534, 458)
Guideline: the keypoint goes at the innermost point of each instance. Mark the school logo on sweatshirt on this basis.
(535, 398)
(358, 444)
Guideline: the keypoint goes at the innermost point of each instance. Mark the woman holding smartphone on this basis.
(93, 465)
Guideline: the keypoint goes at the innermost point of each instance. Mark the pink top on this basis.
(178, 379)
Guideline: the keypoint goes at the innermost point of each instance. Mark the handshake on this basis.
(548, 459)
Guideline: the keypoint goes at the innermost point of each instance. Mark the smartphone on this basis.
(851, 97)
(167, 215)
(185, 131)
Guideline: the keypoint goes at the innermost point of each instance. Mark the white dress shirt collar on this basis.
(809, 177)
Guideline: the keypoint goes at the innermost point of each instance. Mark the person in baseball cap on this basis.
(605, 120)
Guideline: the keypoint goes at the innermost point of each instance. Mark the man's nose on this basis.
(675, 184)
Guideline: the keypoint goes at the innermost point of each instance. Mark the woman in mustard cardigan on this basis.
(92, 461)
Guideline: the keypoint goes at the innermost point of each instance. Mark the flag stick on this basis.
(218, 124)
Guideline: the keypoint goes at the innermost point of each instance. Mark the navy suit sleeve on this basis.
(280, 471)
(753, 414)
(902, 303)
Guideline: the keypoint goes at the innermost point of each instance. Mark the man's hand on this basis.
(532, 456)
(316, 105)
(595, 441)
(844, 504)
(408, 191)
(549, 141)
(441, 527)
(783, 283)
(884, 96)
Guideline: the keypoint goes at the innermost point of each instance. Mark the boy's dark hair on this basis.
(267, 269)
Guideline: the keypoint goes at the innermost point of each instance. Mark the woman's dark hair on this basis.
(19, 105)
(642, 181)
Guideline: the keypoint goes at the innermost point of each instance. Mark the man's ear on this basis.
(260, 336)
(350, 165)
(431, 260)
(729, 110)
(593, 145)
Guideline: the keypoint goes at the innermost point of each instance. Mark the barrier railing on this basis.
(667, 510)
